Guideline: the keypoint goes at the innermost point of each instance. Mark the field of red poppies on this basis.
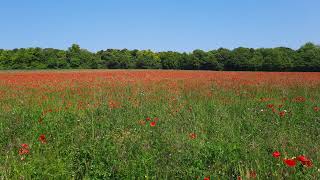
(155, 124)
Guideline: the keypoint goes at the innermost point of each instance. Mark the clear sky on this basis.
(179, 25)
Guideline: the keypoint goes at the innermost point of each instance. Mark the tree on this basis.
(82, 58)
(224, 57)
(117, 59)
(210, 62)
(170, 60)
(73, 56)
(146, 59)
(241, 59)
(277, 59)
(55, 59)
(308, 58)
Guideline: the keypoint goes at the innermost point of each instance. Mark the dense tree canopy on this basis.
(306, 58)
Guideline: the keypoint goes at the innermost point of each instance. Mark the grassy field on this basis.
(159, 125)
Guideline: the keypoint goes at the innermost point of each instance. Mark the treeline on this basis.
(306, 58)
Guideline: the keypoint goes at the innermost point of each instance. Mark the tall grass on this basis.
(103, 131)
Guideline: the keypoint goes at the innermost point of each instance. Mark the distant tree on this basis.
(255, 63)
(170, 60)
(308, 58)
(189, 62)
(193, 61)
(277, 59)
(241, 59)
(117, 59)
(147, 59)
(224, 57)
(2, 59)
(56, 59)
(210, 62)
(73, 56)
(82, 58)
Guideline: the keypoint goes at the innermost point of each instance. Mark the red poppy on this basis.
(316, 109)
(156, 119)
(301, 158)
(276, 154)
(192, 135)
(23, 151)
(239, 178)
(26, 146)
(280, 105)
(206, 178)
(42, 139)
(152, 124)
(290, 162)
(253, 174)
(148, 119)
(299, 99)
(282, 113)
(304, 161)
(270, 106)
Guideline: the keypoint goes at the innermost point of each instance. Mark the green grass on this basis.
(234, 136)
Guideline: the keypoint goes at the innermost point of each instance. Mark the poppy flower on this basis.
(301, 158)
(299, 99)
(270, 106)
(304, 161)
(253, 174)
(276, 154)
(316, 109)
(282, 113)
(192, 135)
(156, 119)
(148, 119)
(290, 162)
(23, 151)
(206, 178)
(42, 139)
(152, 124)
(26, 146)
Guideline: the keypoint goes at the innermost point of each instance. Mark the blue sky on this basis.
(179, 25)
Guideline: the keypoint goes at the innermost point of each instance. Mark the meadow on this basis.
(156, 124)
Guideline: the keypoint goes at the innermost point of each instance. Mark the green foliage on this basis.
(146, 59)
(171, 60)
(116, 59)
(307, 58)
